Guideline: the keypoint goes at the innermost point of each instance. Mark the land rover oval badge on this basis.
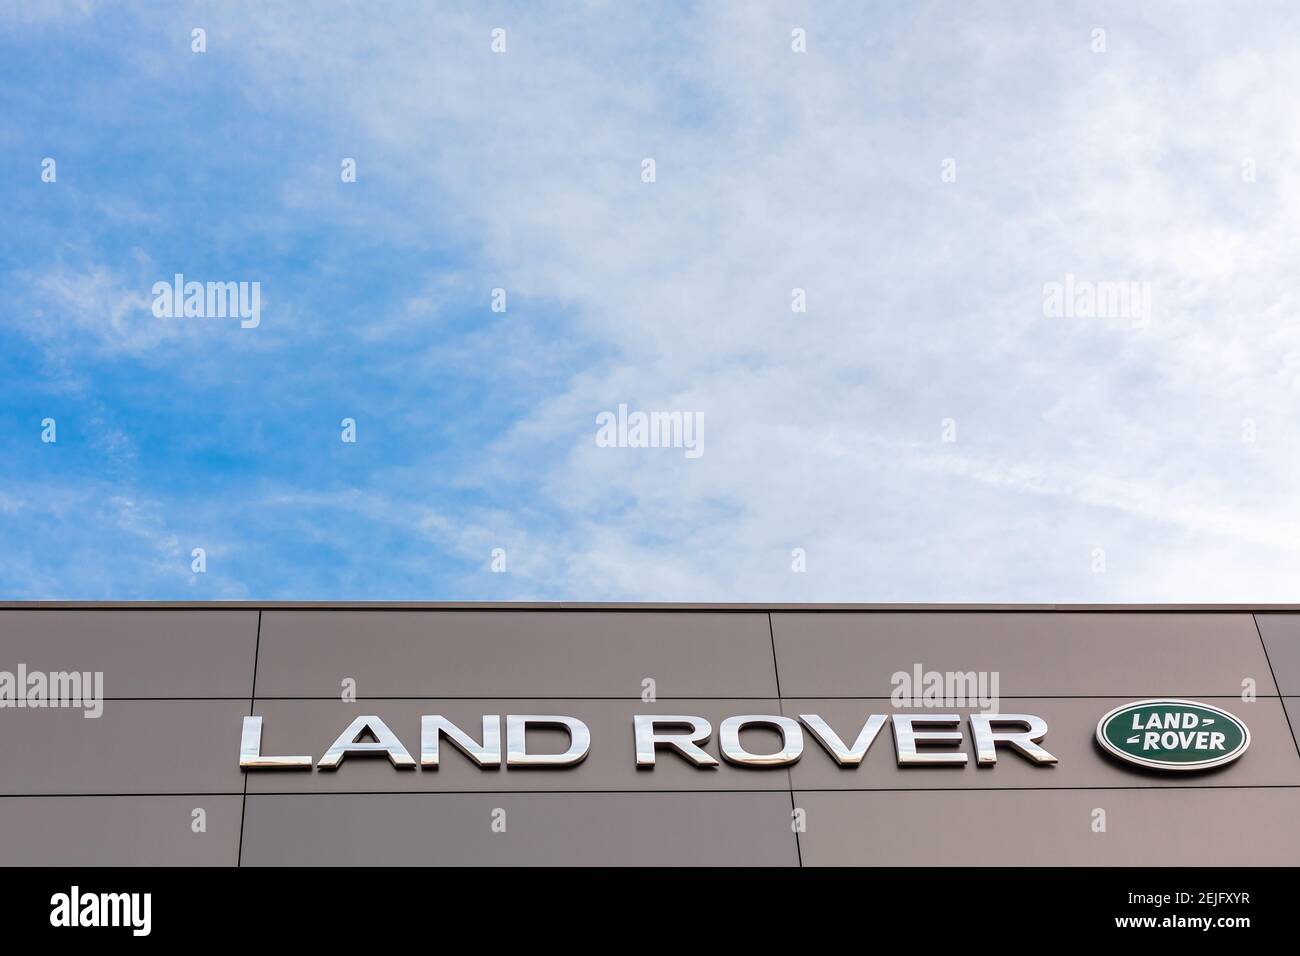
(1170, 734)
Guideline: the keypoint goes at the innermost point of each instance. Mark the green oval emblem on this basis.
(1170, 734)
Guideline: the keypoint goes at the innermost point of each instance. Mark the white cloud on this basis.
(47, 11)
(822, 171)
(100, 540)
(925, 299)
(93, 306)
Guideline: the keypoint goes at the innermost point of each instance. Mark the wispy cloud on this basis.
(1165, 160)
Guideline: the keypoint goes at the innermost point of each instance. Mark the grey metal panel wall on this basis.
(545, 829)
(150, 782)
(153, 653)
(125, 788)
(1200, 827)
(561, 654)
(1281, 636)
(1038, 654)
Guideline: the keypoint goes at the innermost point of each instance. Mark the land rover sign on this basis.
(1170, 734)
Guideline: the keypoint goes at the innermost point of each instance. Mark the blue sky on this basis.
(1167, 447)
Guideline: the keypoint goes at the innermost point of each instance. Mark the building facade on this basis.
(835, 735)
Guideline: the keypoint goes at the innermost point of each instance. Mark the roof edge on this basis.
(625, 606)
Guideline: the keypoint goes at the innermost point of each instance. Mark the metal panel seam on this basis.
(1276, 686)
(252, 705)
(789, 775)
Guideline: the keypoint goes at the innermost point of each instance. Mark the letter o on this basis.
(732, 751)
